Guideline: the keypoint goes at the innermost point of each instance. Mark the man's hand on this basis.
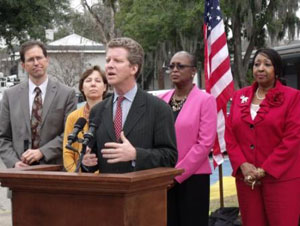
(20, 164)
(89, 159)
(31, 155)
(119, 152)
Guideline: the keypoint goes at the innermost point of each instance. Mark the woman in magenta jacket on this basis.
(195, 124)
(263, 142)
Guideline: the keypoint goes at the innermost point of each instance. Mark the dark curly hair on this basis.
(275, 59)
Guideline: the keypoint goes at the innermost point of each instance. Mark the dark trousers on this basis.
(188, 202)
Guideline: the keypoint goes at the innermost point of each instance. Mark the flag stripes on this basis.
(218, 76)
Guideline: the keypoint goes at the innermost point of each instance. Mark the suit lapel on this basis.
(50, 94)
(136, 111)
(267, 102)
(24, 103)
(245, 113)
(108, 119)
(185, 108)
(167, 97)
(244, 103)
(245, 107)
(263, 110)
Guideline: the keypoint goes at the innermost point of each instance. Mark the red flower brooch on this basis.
(275, 98)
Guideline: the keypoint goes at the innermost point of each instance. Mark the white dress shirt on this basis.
(32, 93)
(126, 103)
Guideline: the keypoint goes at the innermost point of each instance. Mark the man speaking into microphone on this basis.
(135, 130)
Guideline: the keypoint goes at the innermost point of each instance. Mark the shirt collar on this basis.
(43, 86)
(129, 95)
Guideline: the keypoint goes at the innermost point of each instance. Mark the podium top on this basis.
(51, 178)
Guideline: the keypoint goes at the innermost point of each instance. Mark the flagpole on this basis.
(221, 186)
(218, 76)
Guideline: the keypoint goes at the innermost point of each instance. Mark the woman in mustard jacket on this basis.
(263, 142)
(93, 86)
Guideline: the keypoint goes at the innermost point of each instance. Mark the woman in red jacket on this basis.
(263, 143)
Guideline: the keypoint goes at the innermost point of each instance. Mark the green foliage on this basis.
(29, 18)
(137, 19)
(256, 21)
(156, 21)
(163, 27)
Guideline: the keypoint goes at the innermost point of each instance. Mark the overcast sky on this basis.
(76, 4)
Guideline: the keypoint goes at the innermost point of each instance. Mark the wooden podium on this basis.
(44, 195)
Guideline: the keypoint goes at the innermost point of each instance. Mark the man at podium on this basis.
(135, 130)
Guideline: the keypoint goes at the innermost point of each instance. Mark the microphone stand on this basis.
(87, 138)
(82, 153)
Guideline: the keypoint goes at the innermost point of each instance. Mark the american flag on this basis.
(218, 77)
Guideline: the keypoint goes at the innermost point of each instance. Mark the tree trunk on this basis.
(159, 67)
(106, 23)
(100, 24)
(238, 69)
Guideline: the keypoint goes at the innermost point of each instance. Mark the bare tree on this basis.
(104, 14)
(8, 65)
(68, 67)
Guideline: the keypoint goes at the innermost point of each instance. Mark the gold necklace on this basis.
(177, 104)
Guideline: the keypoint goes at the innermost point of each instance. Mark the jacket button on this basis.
(251, 126)
(252, 146)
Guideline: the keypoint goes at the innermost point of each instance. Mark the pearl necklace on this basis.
(257, 96)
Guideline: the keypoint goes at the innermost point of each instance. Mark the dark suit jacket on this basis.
(149, 127)
(15, 122)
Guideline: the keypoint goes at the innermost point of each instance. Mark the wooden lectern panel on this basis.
(41, 195)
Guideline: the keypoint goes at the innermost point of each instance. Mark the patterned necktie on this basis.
(36, 118)
(118, 118)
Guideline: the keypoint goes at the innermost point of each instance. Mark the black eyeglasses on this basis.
(179, 66)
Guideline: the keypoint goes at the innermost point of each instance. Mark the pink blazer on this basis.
(272, 139)
(195, 128)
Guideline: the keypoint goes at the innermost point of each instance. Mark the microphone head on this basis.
(80, 123)
(92, 125)
(89, 135)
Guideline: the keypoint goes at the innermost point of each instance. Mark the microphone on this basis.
(89, 135)
(72, 137)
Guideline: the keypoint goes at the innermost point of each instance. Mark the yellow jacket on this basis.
(70, 157)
